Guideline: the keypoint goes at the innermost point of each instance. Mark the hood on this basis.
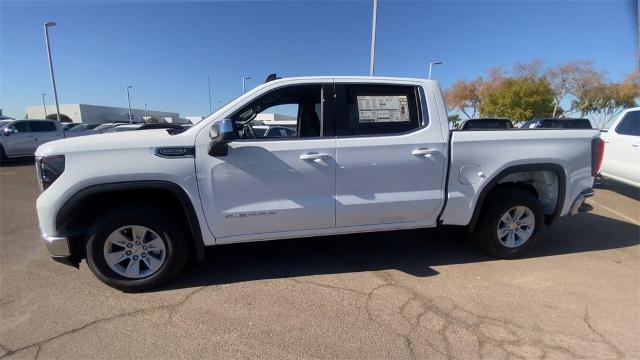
(115, 141)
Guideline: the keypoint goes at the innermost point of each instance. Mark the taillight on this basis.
(597, 154)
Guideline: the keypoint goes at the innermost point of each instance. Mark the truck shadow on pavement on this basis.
(413, 252)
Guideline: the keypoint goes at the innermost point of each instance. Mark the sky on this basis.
(166, 49)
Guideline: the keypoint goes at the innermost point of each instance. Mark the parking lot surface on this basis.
(401, 295)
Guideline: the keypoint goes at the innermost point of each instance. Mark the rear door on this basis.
(622, 149)
(390, 160)
(44, 131)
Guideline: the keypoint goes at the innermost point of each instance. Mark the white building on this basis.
(276, 119)
(92, 114)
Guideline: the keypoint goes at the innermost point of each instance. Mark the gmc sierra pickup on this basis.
(368, 154)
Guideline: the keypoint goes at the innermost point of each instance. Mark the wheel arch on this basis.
(76, 215)
(558, 170)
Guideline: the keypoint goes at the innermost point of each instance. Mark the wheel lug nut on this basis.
(129, 245)
(137, 242)
(144, 247)
(128, 253)
(144, 255)
(135, 258)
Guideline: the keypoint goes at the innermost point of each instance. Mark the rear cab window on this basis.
(42, 126)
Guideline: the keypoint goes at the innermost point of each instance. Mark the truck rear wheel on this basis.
(136, 248)
(510, 223)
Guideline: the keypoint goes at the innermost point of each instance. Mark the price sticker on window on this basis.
(376, 109)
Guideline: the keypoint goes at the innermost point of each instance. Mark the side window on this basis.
(42, 126)
(300, 103)
(377, 110)
(20, 127)
(630, 125)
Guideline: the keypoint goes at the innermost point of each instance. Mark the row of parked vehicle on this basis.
(548, 123)
(19, 138)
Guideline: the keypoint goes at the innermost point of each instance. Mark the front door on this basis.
(390, 162)
(271, 184)
(21, 141)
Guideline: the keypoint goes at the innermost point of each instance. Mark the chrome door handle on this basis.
(314, 156)
(424, 152)
(635, 145)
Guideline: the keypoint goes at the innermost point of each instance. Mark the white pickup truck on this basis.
(369, 154)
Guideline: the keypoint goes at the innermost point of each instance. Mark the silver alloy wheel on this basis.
(134, 251)
(516, 226)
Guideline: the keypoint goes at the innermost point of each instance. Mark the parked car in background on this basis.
(106, 126)
(123, 127)
(69, 125)
(557, 123)
(273, 131)
(379, 157)
(486, 123)
(81, 130)
(22, 137)
(622, 149)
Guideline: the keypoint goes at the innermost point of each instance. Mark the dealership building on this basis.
(92, 114)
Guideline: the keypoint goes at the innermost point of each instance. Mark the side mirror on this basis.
(221, 133)
(7, 131)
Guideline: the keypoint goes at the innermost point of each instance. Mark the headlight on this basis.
(49, 169)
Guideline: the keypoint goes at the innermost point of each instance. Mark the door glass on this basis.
(20, 127)
(42, 126)
(294, 107)
(630, 125)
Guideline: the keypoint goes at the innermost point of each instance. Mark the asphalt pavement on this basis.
(423, 294)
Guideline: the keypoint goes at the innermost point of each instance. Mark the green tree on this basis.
(454, 119)
(519, 99)
(63, 118)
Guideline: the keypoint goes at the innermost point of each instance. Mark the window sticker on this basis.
(376, 109)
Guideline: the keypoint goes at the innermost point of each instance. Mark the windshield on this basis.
(4, 123)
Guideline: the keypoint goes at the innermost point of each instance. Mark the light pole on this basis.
(209, 82)
(244, 79)
(145, 112)
(129, 101)
(219, 104)
(44, 106)
(373, 37)
(47, 25)
(431, 64)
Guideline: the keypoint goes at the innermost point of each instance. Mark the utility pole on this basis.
(209, 82)
(373, 37)
(431, 64)
(44, 106)
(47, 25)
(129, 101)
(145, 112)
(244, 79)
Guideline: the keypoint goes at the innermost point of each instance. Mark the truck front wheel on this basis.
(136, 248)
(510, 224)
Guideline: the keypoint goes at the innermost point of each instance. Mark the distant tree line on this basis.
(534, 90)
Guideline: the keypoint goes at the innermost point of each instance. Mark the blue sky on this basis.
(166, 49)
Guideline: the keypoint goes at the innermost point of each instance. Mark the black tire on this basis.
(3, 156)
(486, 231)
(159, 221)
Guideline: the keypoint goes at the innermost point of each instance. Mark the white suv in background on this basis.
(22, 137)
(622, 149)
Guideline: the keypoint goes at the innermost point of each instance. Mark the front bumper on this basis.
(57, 245)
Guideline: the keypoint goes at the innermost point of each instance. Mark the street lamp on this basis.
(373, 36)
(209, 82)
(129, 101)
(431, 64)
(47, 25)
(243, 83)
(44, 106)
(145, 112)
(219, 104)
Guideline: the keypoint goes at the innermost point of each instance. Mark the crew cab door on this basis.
(271, 184)
(622, 149)
(44, 131)
(390, 160)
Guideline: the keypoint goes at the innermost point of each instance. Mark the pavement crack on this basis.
(587, 320)
(330, 287)
(41, 343)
